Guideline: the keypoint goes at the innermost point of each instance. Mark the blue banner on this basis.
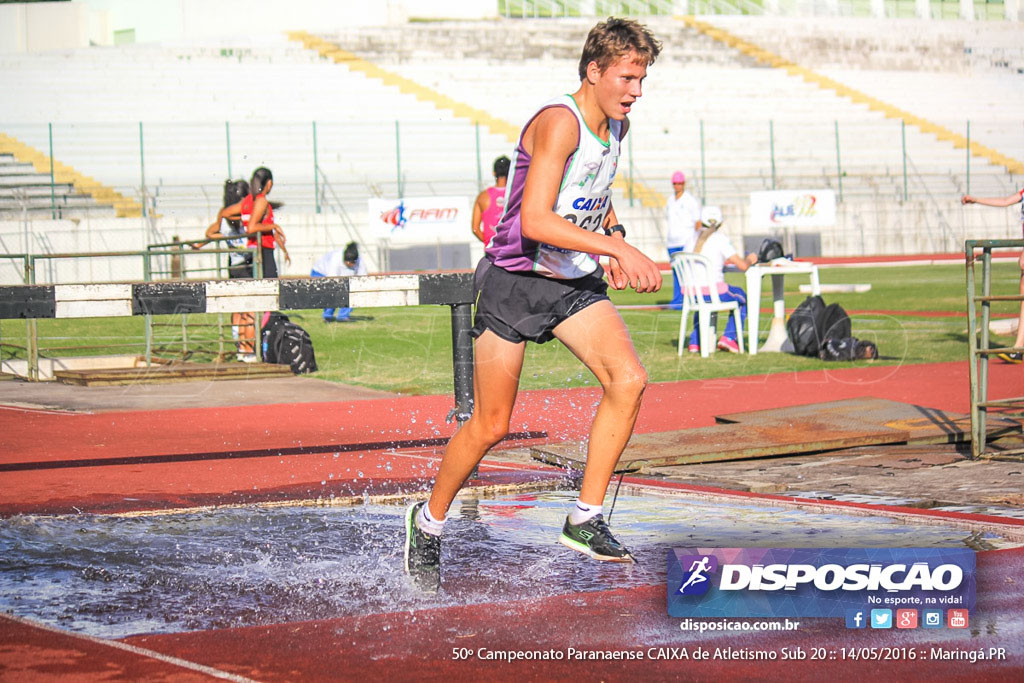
(819, 582)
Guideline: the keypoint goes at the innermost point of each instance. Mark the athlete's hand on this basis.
(616, 278)
(635, 270)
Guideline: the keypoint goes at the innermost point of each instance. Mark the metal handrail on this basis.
(979, 350)
(178, 249)
(336, 204)
(947, 229)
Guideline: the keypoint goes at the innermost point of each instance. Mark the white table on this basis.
(778, 269)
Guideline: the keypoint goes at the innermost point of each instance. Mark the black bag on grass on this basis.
(285, 343)
(834, 323)
(848, 348)
(802, 326)
(813, 322)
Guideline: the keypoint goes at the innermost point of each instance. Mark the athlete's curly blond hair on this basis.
(611, 39)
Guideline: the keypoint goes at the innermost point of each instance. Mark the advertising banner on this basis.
(417, 220)
(792, 208)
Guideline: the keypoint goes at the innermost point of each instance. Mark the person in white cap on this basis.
(683, 213)
(719, 250)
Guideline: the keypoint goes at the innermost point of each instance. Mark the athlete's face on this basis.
(619, 86)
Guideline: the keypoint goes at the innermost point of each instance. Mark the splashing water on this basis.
(116, 576)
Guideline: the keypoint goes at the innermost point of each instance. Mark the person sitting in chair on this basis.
(719, 250)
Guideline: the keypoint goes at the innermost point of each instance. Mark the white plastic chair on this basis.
(694, 274)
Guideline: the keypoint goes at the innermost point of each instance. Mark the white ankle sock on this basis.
(581, 512)
(426, 522)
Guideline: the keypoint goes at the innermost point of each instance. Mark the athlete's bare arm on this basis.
(741, 264)
(483, 201)
(228, 212)
(550, 140)
(1009, 200)
(616, 278)
(259, 208)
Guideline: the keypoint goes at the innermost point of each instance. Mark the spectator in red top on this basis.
(257, 215)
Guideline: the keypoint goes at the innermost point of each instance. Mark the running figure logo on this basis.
(696, 580)
(395, 217)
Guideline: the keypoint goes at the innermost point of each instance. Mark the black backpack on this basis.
(813, 322)
(848, 348)
(802, 326)
(285, 343)
(834, 323)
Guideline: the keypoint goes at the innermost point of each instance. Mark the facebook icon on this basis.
(856, 618)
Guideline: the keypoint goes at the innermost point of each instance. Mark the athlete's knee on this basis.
(488, 430)
(629, 383)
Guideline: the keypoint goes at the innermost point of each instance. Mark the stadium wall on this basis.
(42, 26)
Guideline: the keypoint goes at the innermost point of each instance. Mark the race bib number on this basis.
(588, 211)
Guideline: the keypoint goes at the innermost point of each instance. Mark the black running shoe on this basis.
(1012, 357)
(594, 539)
(422, 553)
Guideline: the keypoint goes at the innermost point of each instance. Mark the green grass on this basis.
(408, 350)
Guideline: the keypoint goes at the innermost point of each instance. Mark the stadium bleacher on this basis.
(28, 192)
(180, 118)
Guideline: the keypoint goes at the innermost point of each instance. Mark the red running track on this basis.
(54, 462)
(62, 462)
(419, 645)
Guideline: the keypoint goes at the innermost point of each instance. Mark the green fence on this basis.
(333, 168)
(939, 9)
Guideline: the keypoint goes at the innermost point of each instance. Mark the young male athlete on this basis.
(541, 280)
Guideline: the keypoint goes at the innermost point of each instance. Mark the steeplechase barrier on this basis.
(120, 299)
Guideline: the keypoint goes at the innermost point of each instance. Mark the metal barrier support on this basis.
(178, 270)
(978, 343)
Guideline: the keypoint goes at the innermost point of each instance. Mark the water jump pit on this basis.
(174, 582)
(286, 583)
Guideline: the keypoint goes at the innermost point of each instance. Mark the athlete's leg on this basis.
(246, 332)
(598, 337)
(677, 293)
(735, 294)
(496, 368)
(269, 264)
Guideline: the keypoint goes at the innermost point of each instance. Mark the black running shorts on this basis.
(520, 306)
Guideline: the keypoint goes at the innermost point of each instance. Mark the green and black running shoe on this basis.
(422, 553)
(594, 539)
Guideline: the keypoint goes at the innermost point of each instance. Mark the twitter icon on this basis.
(881, 618)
